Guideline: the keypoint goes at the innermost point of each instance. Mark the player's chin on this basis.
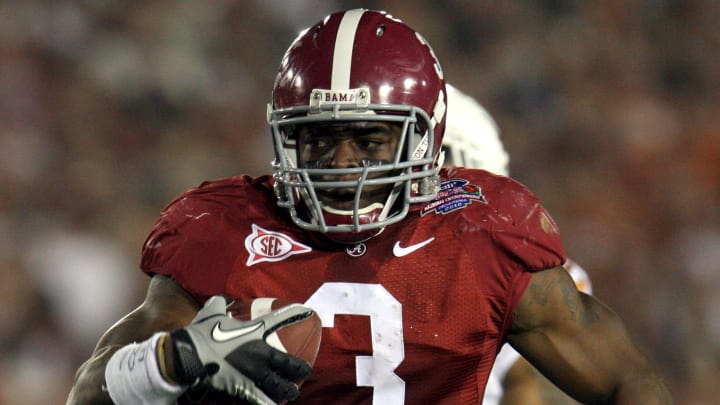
(346, 201)
(343, 205)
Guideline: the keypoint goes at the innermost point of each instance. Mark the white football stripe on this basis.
(342, 56)
(260, 307)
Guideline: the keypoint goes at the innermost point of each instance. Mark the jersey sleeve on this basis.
(522, 227)
(527, 233)
(192, 241)
(509, 235)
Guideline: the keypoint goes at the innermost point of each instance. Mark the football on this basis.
(301, 339)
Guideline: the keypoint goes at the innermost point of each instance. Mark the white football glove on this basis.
(232, 356)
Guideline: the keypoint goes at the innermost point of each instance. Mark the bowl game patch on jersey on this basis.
(454, 194)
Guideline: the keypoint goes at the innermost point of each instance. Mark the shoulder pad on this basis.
(514, 218)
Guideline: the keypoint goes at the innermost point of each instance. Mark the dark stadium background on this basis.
(108, 109)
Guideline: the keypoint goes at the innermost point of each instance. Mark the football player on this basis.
(472, 139)
(418, 274)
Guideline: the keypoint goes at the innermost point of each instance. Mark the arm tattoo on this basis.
(579, 309)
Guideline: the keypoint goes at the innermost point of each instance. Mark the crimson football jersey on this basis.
(414, 315)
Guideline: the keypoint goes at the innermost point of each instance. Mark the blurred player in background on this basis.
(472, 139)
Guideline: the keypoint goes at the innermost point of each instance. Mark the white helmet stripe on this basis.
(343, 50)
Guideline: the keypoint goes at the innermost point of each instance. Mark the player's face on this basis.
(348, 145)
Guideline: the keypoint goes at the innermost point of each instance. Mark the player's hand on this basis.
(232, 355)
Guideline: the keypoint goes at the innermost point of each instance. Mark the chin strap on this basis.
(390, 201)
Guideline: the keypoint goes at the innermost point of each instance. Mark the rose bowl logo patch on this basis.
(454, 194)
(269, 246)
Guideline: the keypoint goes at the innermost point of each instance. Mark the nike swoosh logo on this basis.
(400, 251)
(220, 335)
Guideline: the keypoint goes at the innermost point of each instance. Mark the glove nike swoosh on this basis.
(220, 335)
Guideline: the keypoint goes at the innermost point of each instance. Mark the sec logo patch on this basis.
(270, 246)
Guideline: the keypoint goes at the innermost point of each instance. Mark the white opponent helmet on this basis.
(472, 138)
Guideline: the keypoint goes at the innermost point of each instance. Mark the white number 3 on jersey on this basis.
(386, 329)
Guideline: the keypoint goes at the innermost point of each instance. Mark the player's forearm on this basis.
(89, 384)
(131, 374)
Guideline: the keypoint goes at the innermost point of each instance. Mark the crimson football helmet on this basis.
(358, 66)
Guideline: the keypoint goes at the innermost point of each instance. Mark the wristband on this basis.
(132, 376)
(161, 359)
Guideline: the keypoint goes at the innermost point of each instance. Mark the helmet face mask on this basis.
(352, 202)
(394, 129)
